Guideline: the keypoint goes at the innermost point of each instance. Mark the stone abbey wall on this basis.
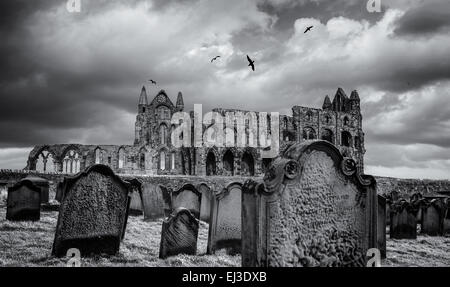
(152, 152)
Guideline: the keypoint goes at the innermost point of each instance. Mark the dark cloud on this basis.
(431, 17)
(77, 77)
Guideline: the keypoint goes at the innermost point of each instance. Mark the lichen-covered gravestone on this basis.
(403, 220)
(314, 209)
(225, 225)
(187, 197)
(179, 234)
(93, 214)
(381, 229)
(433, 214)
(156, 201)
(24, 202)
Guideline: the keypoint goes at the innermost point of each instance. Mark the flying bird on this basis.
(153, 82)
(251, 63)
(308, 29)
(215, 58)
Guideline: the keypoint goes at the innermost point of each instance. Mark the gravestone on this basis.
(59, 191)
(136, 207)
(381, 222)
(433, 213)
(187, 197)
(156, 201)
(403, 220)
(23, 202)
(225, 225)
(314, 209)
(205, 208)
(43, 185)
(93, 214)
(388, 212)
(179, 234)
(447, 218)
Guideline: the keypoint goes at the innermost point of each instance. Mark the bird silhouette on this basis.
(215, 58)
(308, 29)
(251, 63)
(153, 82)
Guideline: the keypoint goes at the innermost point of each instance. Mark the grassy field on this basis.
(29, 244)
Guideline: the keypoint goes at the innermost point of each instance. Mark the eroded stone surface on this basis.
(23, 202)
(403, 220)
(187, 197)
(93, 214)
(315, 211)
(433, 214)
(179, 234)
(225, 226)
(156, 201)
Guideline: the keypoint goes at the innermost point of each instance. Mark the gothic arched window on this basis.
(163, 134)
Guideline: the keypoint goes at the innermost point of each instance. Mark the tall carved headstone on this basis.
(24, 202)
(187, 197)
(179, 234)
(93, 214)
(156, 200)
(314, 209)
(433, 214)
(225, 225)
(381, 223)
(403, 220)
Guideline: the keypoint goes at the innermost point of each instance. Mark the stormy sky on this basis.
(76, 77)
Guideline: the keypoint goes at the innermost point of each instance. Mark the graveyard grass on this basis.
(30, 244)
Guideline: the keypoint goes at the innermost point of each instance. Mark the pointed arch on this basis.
(163, 134)
(211, 163)
(121, 157)
(327, 135)
(228, 163)
(346, 139)
(247, 164)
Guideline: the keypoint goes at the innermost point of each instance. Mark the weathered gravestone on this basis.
(187, 197)
(207, 197)
(381, 222)
(59, 191)
(43, 185)
(156, 200)
(416, 201)
(136, 208)
(24, 202)
(93, 214)
(403, 220)
(225, 225)
(433, 214)
(388, 212)
(447, 218)
(179, 234)
(314, 209)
